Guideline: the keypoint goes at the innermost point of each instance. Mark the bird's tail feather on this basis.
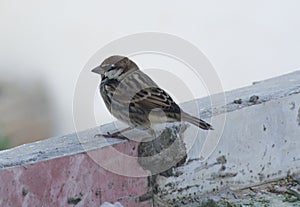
(196, 121)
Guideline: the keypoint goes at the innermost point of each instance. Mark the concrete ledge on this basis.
(60, 171)
(259, 143)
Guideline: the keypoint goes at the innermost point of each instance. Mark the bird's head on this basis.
(115, 66)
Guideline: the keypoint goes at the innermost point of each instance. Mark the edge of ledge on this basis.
(70, 144)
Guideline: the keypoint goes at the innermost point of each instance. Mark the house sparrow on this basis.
(134, 98)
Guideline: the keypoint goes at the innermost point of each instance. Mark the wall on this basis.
(256, 140)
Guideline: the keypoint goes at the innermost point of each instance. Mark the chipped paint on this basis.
(292, 105)
(70, 180)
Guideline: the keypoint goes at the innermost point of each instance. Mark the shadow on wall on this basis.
(25, 113)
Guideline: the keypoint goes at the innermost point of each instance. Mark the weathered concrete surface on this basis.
(58, 172)
(279, 193)
(165, 152)
(260, 142)
(66, 181)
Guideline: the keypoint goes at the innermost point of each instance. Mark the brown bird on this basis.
(134, 98)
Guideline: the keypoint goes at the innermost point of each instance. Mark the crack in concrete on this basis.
(298, 117)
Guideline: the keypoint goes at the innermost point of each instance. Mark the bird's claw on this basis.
(108, 135)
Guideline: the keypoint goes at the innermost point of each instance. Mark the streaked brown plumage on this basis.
(134, 98)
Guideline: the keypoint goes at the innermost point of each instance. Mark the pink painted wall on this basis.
(53, 182)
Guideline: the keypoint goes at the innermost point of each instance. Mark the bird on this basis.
(133, 98)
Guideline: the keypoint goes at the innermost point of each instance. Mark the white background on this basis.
(52, 40)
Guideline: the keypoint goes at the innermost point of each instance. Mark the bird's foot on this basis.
(117, 134)
(113, 135)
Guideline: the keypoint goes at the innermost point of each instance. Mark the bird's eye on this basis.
(113, 66)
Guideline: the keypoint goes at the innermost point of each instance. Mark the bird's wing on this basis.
(140, 90)
(154, 97)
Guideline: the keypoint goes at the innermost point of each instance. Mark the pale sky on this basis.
(53, 40)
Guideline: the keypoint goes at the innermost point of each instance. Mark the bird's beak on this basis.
(98, 70)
